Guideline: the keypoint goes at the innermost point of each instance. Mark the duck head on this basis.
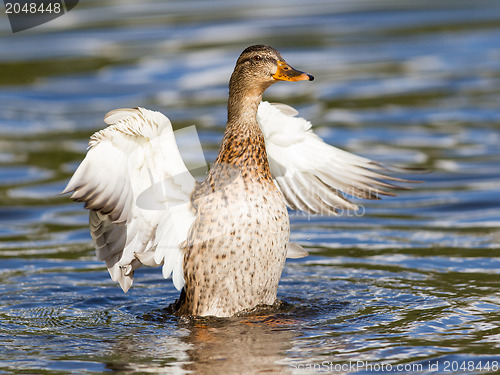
(257, 68)
(260, 66)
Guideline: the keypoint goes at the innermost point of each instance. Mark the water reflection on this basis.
(247, 344)
(415, 279)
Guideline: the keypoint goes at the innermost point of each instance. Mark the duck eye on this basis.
(257, 57)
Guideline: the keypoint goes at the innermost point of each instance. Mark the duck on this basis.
(223, 240)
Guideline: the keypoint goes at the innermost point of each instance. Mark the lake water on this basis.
(411, 286)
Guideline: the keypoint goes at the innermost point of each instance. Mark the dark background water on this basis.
(413, 282)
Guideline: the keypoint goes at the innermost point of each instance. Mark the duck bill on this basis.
(286, 73)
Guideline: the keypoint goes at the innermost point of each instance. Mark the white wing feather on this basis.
(314, 176)
(135, 183)
(134, 157)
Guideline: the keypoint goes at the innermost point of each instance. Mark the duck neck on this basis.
(242, 104)
(243, 143)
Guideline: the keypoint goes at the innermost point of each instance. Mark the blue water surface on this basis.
(411, 285)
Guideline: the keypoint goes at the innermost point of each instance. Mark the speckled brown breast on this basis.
(236, 248)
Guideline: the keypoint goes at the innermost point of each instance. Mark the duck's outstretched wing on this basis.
(135, 183)
(314, 176)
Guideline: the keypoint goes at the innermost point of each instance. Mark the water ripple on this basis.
(411, 281)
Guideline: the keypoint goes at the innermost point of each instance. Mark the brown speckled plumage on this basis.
(236, 248)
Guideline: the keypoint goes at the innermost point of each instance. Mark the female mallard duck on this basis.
(225, 240)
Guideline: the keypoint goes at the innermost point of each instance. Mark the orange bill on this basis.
(286, 73)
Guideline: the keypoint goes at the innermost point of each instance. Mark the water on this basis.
(413, 283)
